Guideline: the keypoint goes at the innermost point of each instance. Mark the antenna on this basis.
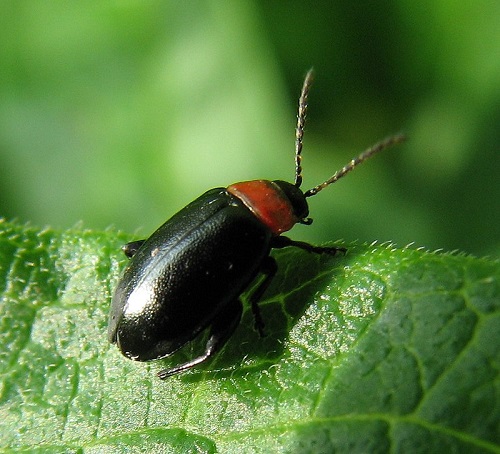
(299, 135)
(386, 143)
(299, 130)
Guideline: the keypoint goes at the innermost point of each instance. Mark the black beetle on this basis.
(188, 275)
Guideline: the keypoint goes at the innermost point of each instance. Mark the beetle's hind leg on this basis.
(221, 329)
(131, 248)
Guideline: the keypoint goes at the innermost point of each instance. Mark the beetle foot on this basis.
(131, 248)
(326, 250)
(284, 241)
(221, 330)
(259, 324)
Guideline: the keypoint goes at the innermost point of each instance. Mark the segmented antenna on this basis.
(299, 130)
(388, 142)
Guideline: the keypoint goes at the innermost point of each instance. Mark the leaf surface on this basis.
(380, 350)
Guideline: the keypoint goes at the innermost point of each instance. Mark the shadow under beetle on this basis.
(188, 275)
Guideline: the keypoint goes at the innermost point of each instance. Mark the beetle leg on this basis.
(269, 269)
(131, 248)
(284, 241)
(221, 330)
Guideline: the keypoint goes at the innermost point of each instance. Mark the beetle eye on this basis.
(306, 221)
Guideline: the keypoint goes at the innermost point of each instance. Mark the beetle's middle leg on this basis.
(269, 269)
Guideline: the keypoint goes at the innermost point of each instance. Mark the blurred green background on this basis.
(121, 112)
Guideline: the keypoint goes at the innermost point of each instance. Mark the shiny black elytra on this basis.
(188, 275)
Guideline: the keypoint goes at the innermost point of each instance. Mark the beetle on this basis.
(188, 276)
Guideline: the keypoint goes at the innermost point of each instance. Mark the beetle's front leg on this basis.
(283, 241)
(221, 329)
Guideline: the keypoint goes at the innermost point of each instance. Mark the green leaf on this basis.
(380, 350)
